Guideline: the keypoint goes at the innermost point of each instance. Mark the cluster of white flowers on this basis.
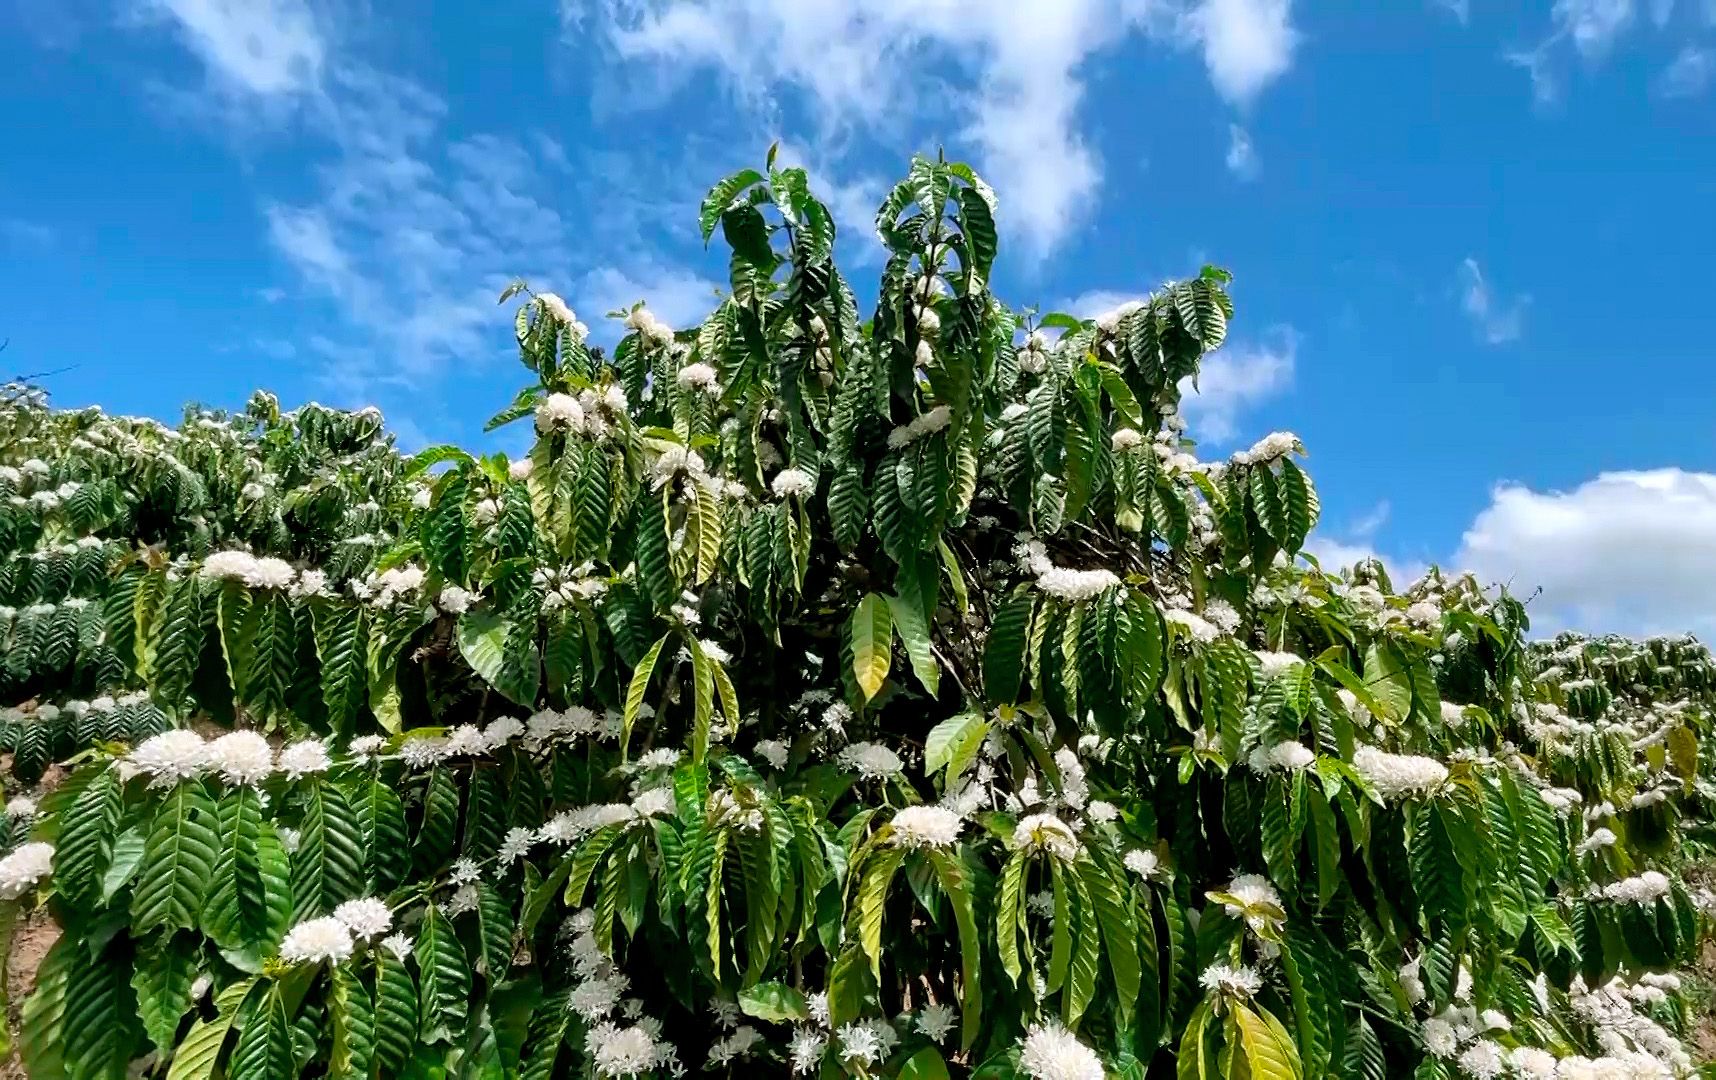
(1046, 832)
(1645, 888)
(1561, 800)
(1192, 625)
(550, 726)
(649, 328)
(1253, 898)
(1125, 439)
(1233, 981)
(390, 588)
(792, 482)
(1289, 756)
(559, 412)
(872, 761)
(1051, 1052)
(773, 751)
(1073, 585)
(179, 754)
(21, 808)
(305, 758)
(1275, 445)
(926, 423)
(1143, 862)
(1599, 838)
(806, 1049)
(927, 827)
(737, 1045)
(699, 376)
(567, 584)
(672, 461)
(241, 757)
(570, 826)
(1109, 321)
(365, 918)
(23, 867)
(1398, 776)
(326, 939)
(1272, 664)
(552, 304)
(247, 569)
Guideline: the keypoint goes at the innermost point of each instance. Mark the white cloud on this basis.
(264, 47)
(1241, 156)
(413, 236)
(1592, 24)
(1247, 44)
(1089, 305)
(1593, 27)
(1014, 83)
(1689, 74)
(1460, 9)
(1630, 552)
(1498, 323)
(1235, 378)
(24, 235)
(678, 297)
(1337, 555)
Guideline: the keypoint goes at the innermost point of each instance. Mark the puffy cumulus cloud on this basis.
(1015, 84)
(1632, 552)
(1235, 378)
(1247, 44)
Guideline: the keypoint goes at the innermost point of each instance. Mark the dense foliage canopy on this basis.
(885, 698)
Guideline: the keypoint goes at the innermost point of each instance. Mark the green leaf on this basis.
(926, 1064)
(178, 861)
(340, 648)
(162, 977)
(444, 977)
(956, 882)
(395, 1013)
(872, 899)
(327, 868)
(913, 626)
(485, 641)
(721, 196)
(351, 1022)
(249, 901)
(775, 1002)
(636, 689)
(382, 836)
(264, 1050)
(871, 634)
(1269, 1050)
(953, 743)
(1004, 655)
(87, 828)
(494, 932)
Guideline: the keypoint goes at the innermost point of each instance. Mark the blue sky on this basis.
(1469, 237)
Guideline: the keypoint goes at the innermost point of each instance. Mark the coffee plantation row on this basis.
(887, 698)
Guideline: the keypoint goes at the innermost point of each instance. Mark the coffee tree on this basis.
(880, 697)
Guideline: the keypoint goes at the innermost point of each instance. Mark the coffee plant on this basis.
(820, 695)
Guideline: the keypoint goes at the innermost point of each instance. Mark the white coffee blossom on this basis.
(926, 827)
(872, 761)
(1233, 981)
(1051, 1052)
(326, 939)
(794, 482)
(936, 1022)
(21, 808)
(171, 756)
(1045, 832)
(927, 423)
(698, 377)
(365, 918)
(1289, 756)
(305, 758)
(559, 412)
(1398, 776)
(23, 867)
(241, 757)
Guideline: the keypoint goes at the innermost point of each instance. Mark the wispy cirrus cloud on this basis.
(1496, 321)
